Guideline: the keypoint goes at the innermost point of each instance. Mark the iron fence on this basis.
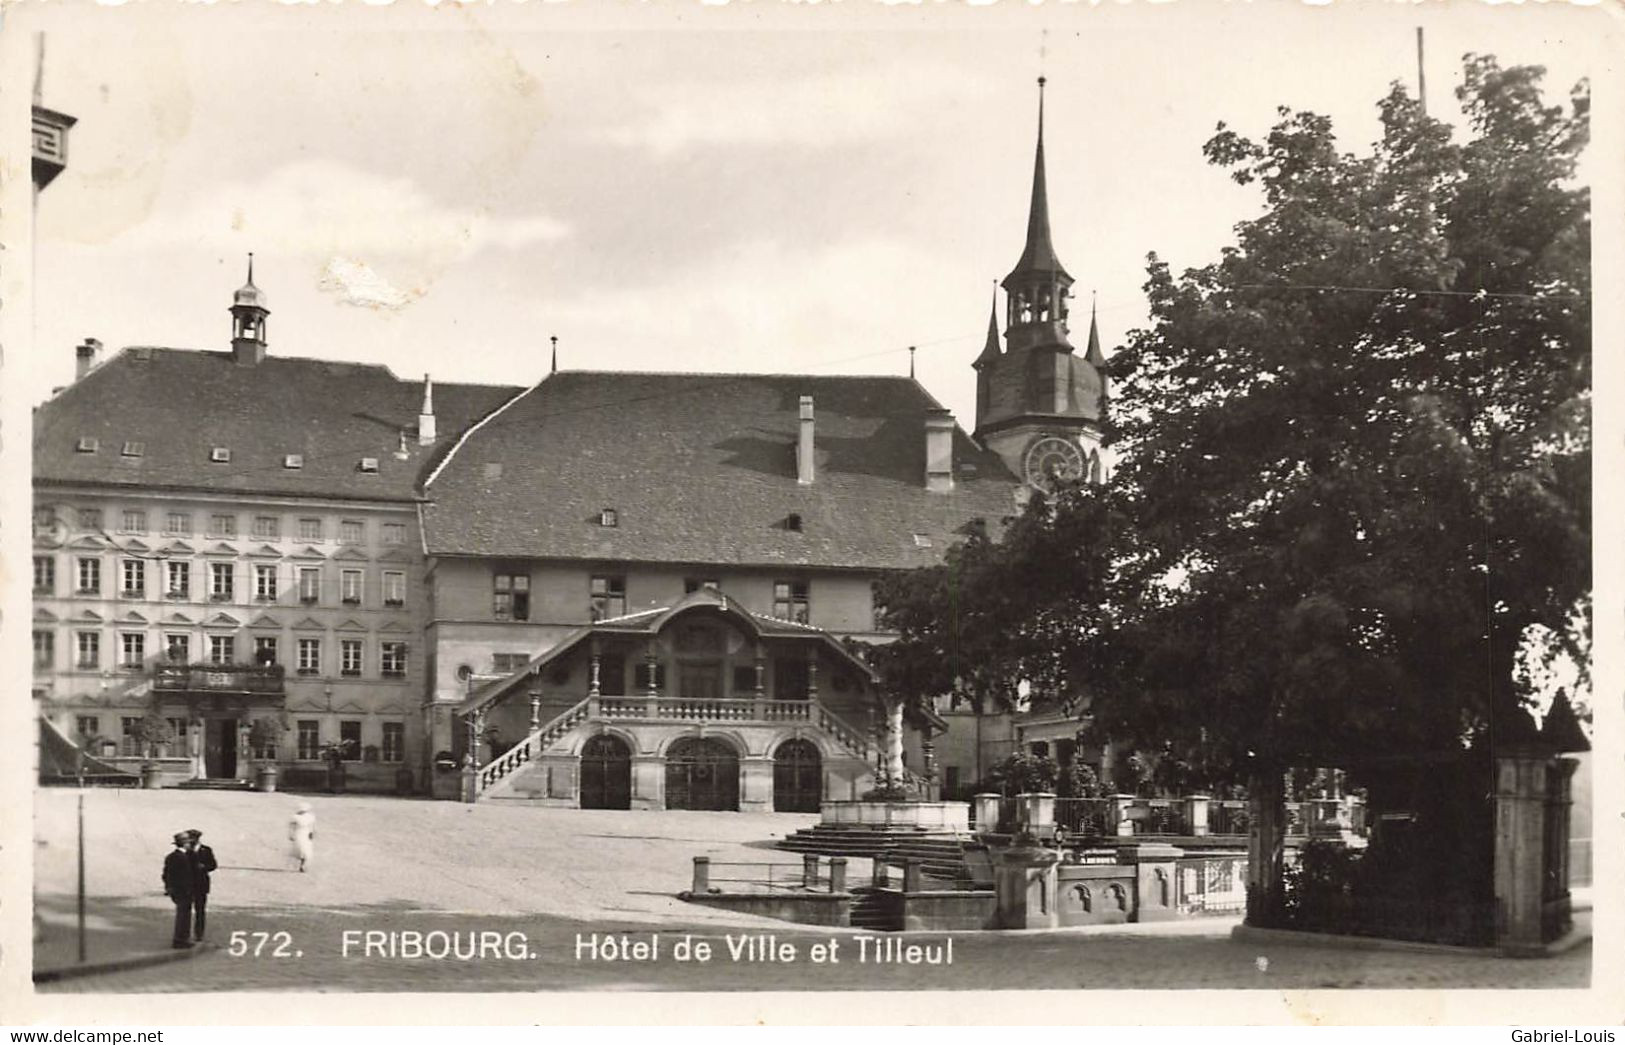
(810, 875)
(1084, 816)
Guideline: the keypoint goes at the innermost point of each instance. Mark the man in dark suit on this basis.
(204, 863)
(180, 880)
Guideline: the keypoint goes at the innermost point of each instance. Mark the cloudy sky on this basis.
(757, 188)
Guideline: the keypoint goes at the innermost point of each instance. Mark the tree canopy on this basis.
(1353, 461)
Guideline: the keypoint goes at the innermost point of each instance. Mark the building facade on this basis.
(232, 537)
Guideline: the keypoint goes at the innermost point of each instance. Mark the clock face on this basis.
(1051, 459)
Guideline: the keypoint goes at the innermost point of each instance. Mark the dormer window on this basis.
(369, 465)
(922, 541)
(87, 444)
(293, 460)
(792, 522)
(220, 454)
(608, 517)
(132, 448)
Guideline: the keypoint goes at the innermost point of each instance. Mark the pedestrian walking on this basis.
(180, 880)
(302, 832)
(205, 864)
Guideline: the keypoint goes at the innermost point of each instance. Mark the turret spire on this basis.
(248, 312)
(990, 350)
(1092, 353)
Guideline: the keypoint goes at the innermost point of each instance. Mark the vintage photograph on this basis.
(788, 499)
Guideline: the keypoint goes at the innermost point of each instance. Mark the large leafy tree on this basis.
(1357, 445)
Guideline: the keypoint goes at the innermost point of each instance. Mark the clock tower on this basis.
(1039, 405)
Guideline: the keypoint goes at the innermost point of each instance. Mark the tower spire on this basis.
(248, 312)
(1038, 256)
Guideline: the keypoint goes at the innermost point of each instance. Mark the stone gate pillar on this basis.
(1024, 880)
(755, 784)
(1531, 873)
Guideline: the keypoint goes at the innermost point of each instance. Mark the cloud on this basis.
(860, 103)
(326, 208)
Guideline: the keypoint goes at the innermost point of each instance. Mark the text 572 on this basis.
(262, 945)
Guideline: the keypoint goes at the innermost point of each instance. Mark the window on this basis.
(368, 465)
(90, 518)
(511, 598)
(608, 597)
(178, 647)
(221, 576)
(179, 729)
(612, 675)
(45, 649)
(178, 580)
(265, 650)
(222, 526)
(87, 444)
(609, 517)
(392, 659)
(508, 663)
(394, 533)
(222, 649)
(394, 588)
(88, 647)
(87, 725)
(133, 521)
(90, 576)
(220, 454)
(310, 529)
(266, 749)
(350, 738)
(178, 524)
(310, 656)
(310, 584)
(135, 578)
(694, 584)
(352, 531)
(133, 448)
(128, 745)
(350, 587)
(265, 583)
(350, 657)
(267, 527)
(394, 741)
(310, 739)
(790, 601)
(293, 460)
(744, 679)
(132, 649)
(44, 575)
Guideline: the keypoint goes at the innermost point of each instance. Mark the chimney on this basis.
(426, 432)
(86, 356)
(939, 450)
(804, 443)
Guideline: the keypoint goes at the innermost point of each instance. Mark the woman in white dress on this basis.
(302, 833)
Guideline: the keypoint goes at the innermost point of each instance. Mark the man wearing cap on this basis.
(203, 864)
(180, 880)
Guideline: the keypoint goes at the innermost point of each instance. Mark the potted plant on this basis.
(263, 736)
(151, 731)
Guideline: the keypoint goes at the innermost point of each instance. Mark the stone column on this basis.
(1521, 793)
(986, 806)
(1196, 815)
(1039, 812)
(535, 710)
(812, 673)
(1117, 807)
(648, 782)
(245, 753)
(761, 673)
(755, 784)
(1155, 884)
(1024, 881)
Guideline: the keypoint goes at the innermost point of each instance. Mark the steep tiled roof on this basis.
(701, 469)
(179, 405)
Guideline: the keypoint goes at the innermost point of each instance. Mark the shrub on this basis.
(1022, 772)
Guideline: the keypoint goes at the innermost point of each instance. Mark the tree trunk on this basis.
(1266, 848)
(894, 743)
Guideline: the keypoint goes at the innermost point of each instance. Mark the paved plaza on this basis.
(528, 893)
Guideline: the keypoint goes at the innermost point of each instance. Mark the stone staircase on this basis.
(202, 784)
(955, 861)
(873, 910)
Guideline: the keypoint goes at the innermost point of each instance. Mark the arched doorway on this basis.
(606, 773)
(701, 773)
(798, 777)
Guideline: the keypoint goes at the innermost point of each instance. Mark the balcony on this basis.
(222, 679)
(703, 709)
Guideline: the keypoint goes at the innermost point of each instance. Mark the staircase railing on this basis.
(511, 760)
(853, 740)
